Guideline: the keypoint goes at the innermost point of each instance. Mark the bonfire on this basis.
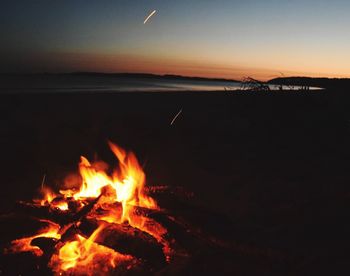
(107, 224)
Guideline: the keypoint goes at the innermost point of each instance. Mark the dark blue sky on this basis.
(228, 38)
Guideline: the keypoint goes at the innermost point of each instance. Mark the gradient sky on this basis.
(223, 38)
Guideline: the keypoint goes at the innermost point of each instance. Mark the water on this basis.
(92, 83)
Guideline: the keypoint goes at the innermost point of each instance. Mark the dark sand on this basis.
(276, 164)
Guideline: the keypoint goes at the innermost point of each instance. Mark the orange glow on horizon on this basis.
(126, 63)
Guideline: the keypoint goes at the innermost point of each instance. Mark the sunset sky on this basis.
(223, 38)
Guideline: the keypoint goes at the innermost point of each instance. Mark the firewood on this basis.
(42, 212)
(47, 245)
(126, 240)
(146, 212)
(85, 210)
(14, 226)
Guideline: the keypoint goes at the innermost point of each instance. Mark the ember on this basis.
(108, 224)
(105, 200)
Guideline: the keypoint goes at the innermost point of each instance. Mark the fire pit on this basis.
(108, 223)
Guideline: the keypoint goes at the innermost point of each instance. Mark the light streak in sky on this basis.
(149, 16)
(177, 115)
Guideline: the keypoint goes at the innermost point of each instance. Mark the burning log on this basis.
(126, 240)
(73, 214)
(47, 246)
(42, 212)
(85, 210)
(109, 225)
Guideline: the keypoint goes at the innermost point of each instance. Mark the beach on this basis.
(175, 138)
(274, 165)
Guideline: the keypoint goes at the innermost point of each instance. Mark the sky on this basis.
(218, 38)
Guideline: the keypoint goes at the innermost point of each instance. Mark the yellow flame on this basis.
(24, 244)
(84, 256)
(127, 183)
(119, 194)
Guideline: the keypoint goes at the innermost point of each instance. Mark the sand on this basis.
(277, 164)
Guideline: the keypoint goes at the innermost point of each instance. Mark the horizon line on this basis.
(163, 75)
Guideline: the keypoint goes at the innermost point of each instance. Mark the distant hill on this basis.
(314, 82)
(125, 75)
(150, 76)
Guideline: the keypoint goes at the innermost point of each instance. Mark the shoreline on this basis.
(44, 91)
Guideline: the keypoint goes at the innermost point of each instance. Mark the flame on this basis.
(84, 256)
(24, 244)
(62, 206)
(49, 196)
(117, 198)
(127, 183)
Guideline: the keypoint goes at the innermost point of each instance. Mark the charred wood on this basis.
(126, 240)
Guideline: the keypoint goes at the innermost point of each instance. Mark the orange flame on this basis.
(119, 195)
(49, 196)
(128, 183)
(24, 244)
(84, 255)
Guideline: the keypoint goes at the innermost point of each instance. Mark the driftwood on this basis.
(47, 245)
(73, 214)
(183, 222)
(15, 226)
(42, 212)
(117, 206)
(126, 240)
(250, 84)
